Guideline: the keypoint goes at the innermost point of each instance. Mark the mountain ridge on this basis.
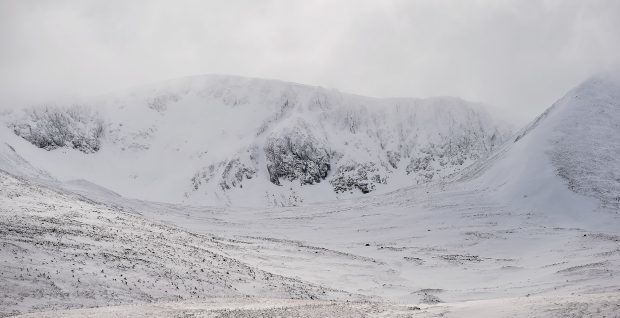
(308, 143)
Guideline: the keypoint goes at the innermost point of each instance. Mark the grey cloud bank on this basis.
(519, 56)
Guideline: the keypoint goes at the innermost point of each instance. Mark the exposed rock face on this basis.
(203, 176)
(360, 176)
(55, 127)
(433, 159)
(421, 166)
(230, 173)
(234, 173)
(393, 158)
(295, 154)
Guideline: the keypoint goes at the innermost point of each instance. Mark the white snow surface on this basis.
(566, 162)
(202, 140)
(531, 231)
(59, 250)
(583, 306)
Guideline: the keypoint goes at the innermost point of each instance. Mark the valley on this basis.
(530, 227)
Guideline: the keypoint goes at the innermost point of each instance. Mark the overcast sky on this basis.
(519, 56)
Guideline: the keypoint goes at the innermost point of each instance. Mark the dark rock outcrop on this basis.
(231, 172)
(295, 154)
(360, 176)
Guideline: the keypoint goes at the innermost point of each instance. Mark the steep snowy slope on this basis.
(59, 250)
(239, 141)
(12, 162)
(567, 162)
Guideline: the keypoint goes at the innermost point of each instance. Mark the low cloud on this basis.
(519, 56)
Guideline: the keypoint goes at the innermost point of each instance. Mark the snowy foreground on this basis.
(532, 230)
(601, 305)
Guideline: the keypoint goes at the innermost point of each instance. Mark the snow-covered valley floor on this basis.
(449, 251)
(417, 245)
(599, 305)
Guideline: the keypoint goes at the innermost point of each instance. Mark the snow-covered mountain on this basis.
(567, 160)
(529, 230)
(222, 140)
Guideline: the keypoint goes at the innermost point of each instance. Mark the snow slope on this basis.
(12, 162)
(566, 162)
(223, 140)
(59, 250)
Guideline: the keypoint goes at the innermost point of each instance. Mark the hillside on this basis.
(60, 250)
(222, 140)
(565, 163)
